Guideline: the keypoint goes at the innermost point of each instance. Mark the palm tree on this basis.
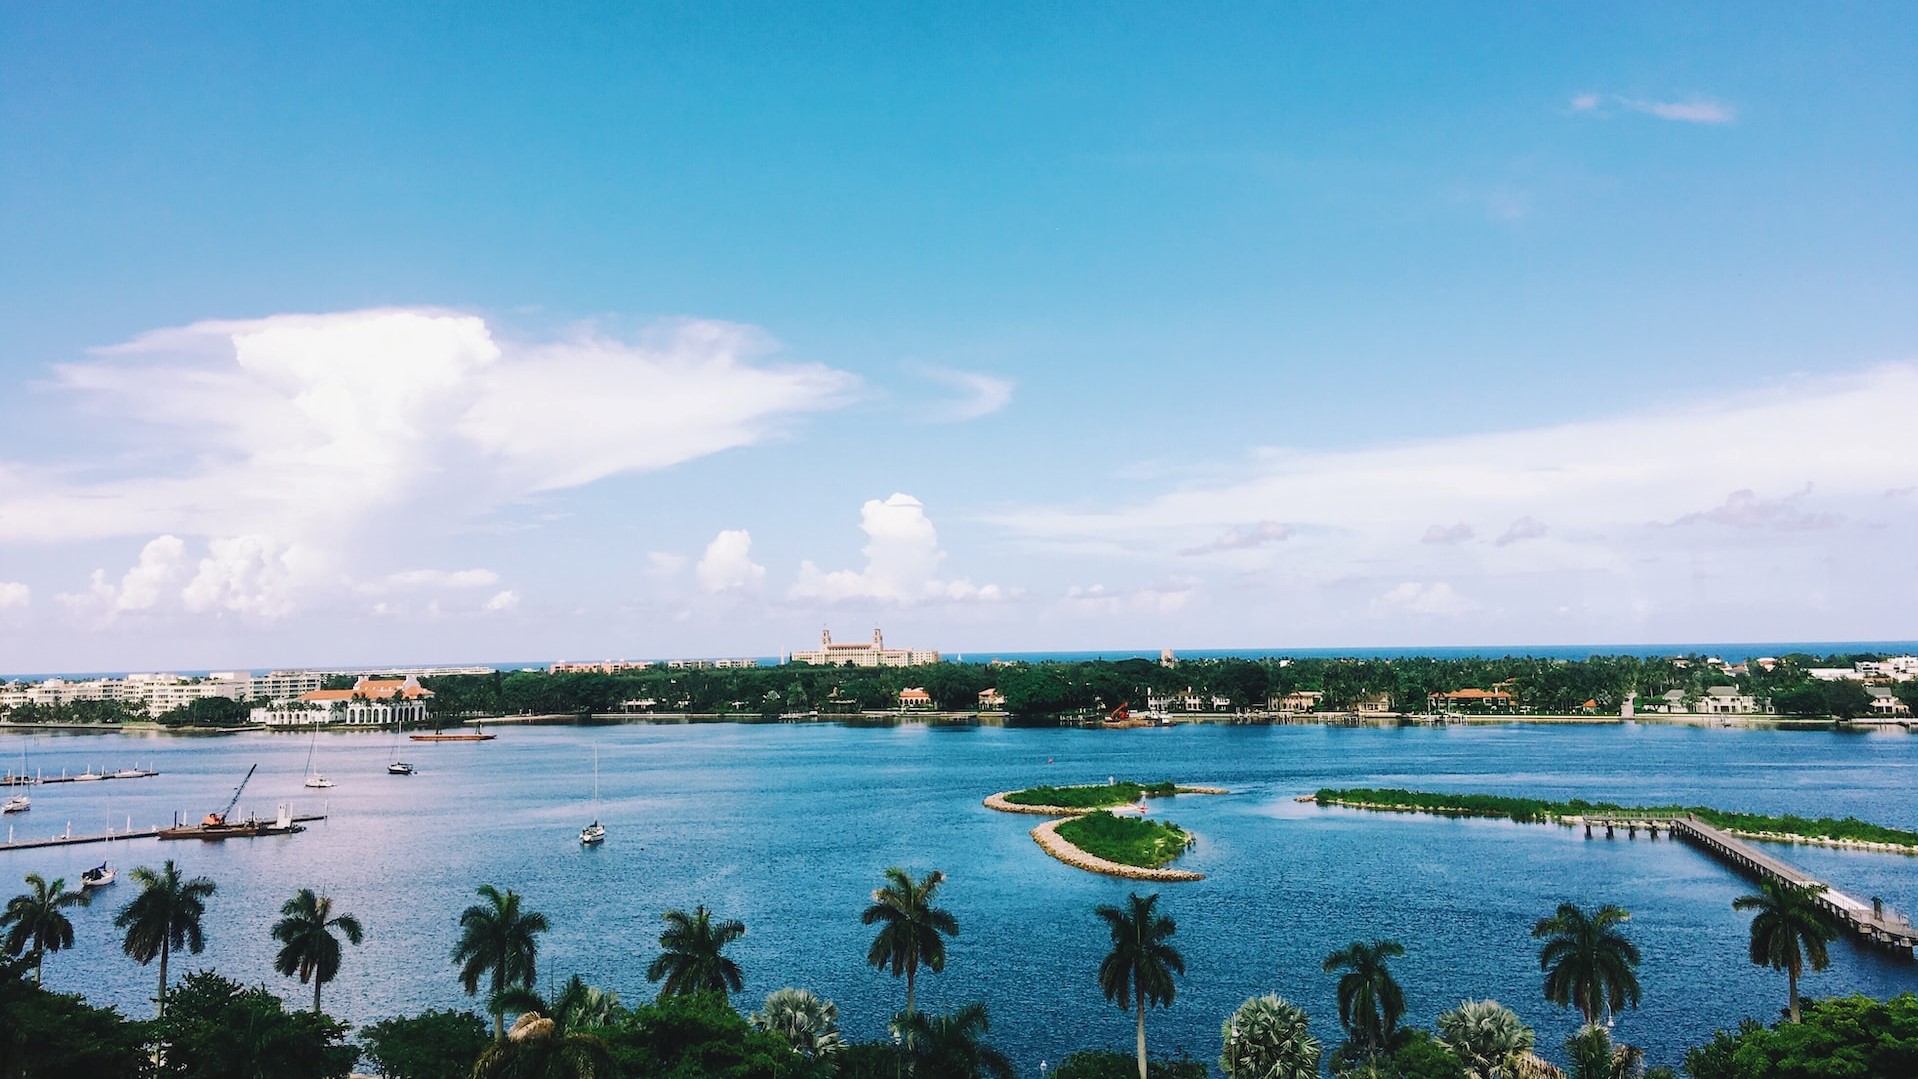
(498, 941)
(164, 916)
(1587, 960)
(694, 959)
(541, 1048)
(1484, 1035)
(36, 920)
(1267, 1039)
(1140, 967)
(308, 947)
(1789, 930)
(912, 931)
(1593, 1055)
(951, 1046)
(808, 1023)
(1370, 1000)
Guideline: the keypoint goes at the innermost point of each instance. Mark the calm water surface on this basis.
(788, 828)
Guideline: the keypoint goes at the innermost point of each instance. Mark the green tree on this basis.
(218, 1029)
(1593, 1055)
(1370, 1000)
(1837, 1038)
(912, 932)
(1484, 1034)
(808, 1023)
(540, 1047)
(499, 942)
(36, 921)
(1587, 960)
(58, 1034)
(166, 915)
(1267, 1038)
(703, 1037)
(1789, 931)
(693, 957)
(951, 1046)
(1107, 1064)
(1139, 970)
(1415, 1055)
(430, 1045)
(308, 947)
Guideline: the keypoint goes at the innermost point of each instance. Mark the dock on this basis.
(68, 839)
(1870, 921)
(12, 780)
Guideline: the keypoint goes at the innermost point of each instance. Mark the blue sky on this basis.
(337, 333)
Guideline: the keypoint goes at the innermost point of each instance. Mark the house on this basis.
(1727, 701)
(1886, 705)
(1482, 700)
(991, 700)
(372, 702)
(1299, 700)
(914, 699)
(1379, 704)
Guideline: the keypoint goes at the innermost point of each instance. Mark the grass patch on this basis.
(1134, 841)
(1092, 796)
(1538, 809)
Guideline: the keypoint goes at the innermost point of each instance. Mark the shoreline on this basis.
(1049, 840)
(998, 801)
(1574, 820)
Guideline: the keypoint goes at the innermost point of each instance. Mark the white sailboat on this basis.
(594, 833)
(98, 877)
(398, 767)
(19, 803)
(315, 779)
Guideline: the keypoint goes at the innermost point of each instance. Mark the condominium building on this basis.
(872, 653)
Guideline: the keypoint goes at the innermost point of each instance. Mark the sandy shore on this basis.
(1049, 840)
(999, 802)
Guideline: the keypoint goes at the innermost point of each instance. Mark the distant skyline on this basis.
(347, 334)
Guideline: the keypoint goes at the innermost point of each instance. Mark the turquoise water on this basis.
(788, 827)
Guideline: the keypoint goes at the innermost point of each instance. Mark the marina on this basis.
(21, 779)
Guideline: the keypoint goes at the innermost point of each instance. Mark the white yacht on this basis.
(19, 803)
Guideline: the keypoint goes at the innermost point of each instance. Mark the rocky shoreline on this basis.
(1049, 840)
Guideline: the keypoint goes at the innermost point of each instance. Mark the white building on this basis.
(1727, 701)
(372, 702)
(862, 654)
(1886, 705)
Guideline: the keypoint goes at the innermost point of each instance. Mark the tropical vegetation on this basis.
(1134, 841)
(1092, 796)
(1789, 931)
(499, 942)
(1267, 1038)
(692, 957)
(165, 915)
(912, 932)
(1538, 810)
(36, 922)
(308, 948)
(1142, 965)
(1588, 961)
(1370, 1000)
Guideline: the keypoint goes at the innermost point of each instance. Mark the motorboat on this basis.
(19, 803)
(98, 877)
(88, 776)
(399, 768)
(592, 834)
(129, 773)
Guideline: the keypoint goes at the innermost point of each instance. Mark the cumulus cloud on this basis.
(506, 600)
(1261, 534)
(288, 444)
(727, 564)
(152, 581)
(980, 394)
(902, 562)
(1523, 529)
(1745, 509)
(1696, 110)
(14, 595)
(1437, 600)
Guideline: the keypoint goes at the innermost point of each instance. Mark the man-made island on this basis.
(1091, 837)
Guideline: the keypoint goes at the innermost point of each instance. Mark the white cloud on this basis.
(1696, 110)
(1261, 534)
(292, 445)
(983, 394)
(1437, 600)
(14, 595)
(1523, 529)
(1447, 534)
(902, 561)
(440, 578)
(1744, 509)
(1164, 597)
(727, 564)
(665, 563)
(150, 583)
(506, 600)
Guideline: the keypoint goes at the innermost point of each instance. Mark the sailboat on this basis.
(315, 779)
(19, 803)
(98, 877)
(398, 767)
(595, 832)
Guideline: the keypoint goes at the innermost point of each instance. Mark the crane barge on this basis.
(217, 825)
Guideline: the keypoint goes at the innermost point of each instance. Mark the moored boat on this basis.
(19, 803)
(592, 834)
(98, 877)
(399, 768)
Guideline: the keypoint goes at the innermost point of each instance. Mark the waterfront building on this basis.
(1886, 705)
(372, 702)
(1299, 700)
(1379, 704)
(1727, 701)
(609, 667)
(1477, 699)
(710, 664)
(862, 653)
(991, 700)
(914, 699)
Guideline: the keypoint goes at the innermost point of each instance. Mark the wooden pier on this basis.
(1868, 920)
(12, 780)
(68, 839)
